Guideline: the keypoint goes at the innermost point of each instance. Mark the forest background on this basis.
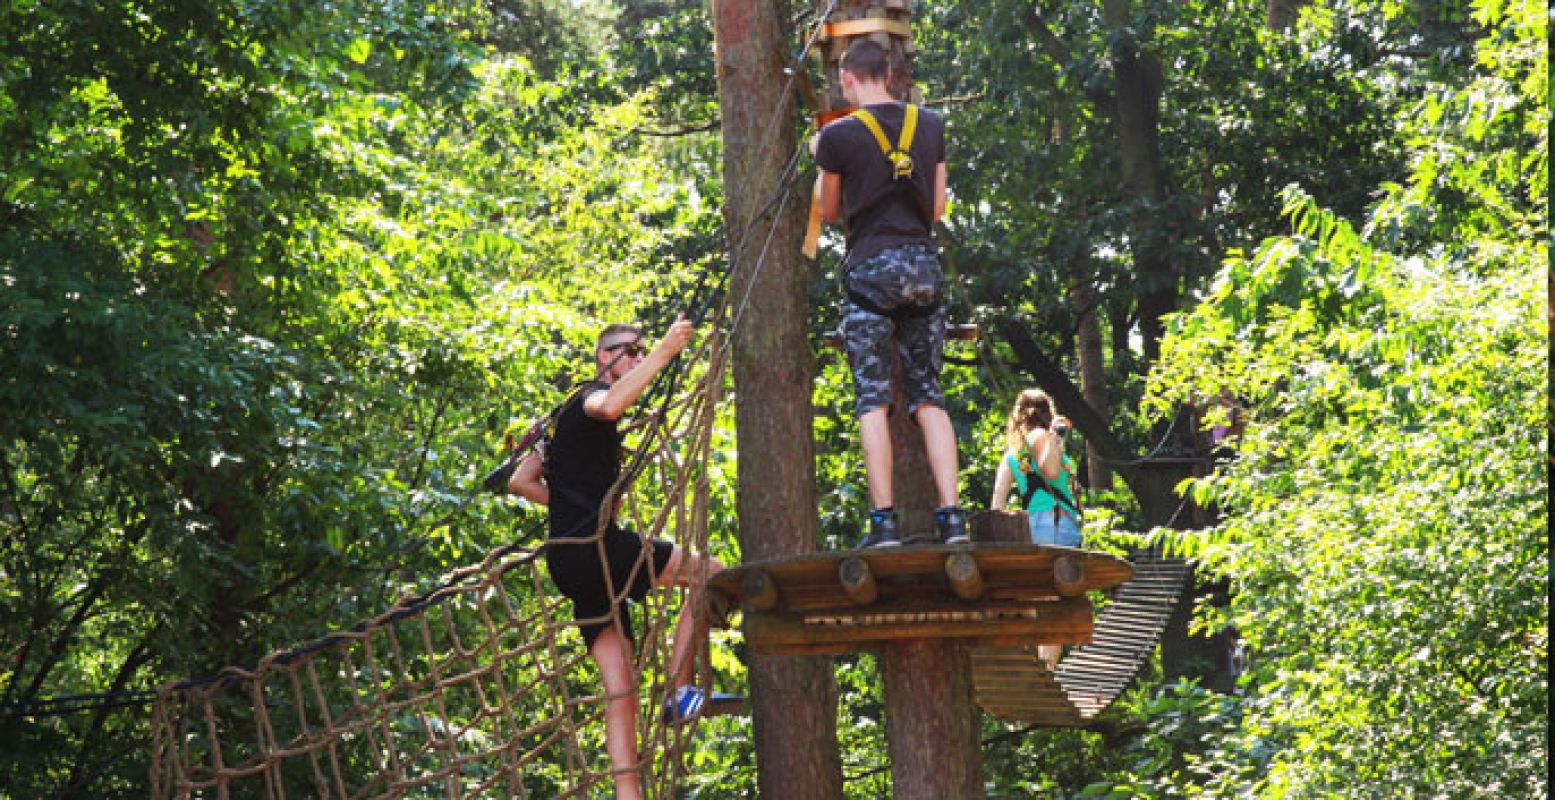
(275, 276)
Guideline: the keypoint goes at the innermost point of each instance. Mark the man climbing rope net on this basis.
(599, 565)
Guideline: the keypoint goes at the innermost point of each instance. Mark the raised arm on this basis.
(1049, 453)
(941, 180)
(829, 195)
(610, 405)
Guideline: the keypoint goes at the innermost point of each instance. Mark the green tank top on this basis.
(1040, 499)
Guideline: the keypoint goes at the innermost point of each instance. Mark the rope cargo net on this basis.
(477, 689)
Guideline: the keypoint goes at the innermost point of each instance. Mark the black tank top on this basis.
(582, 462)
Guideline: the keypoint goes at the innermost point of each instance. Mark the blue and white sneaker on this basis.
(685, 705)
(690, 703)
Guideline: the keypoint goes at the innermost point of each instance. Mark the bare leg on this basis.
(874, 432)
(939, 444)
(690, 632)
(612, 653)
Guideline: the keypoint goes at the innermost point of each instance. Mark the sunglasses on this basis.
(630, 349)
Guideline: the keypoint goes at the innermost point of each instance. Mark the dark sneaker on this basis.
(882, 530)
(496, 481)
(951, 525)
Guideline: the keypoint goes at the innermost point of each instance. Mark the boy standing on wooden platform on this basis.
(883, 168)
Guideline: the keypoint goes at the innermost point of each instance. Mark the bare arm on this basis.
(528, 480)
(941, 180)
(1002, 481)
(610, 405)
(829, 195)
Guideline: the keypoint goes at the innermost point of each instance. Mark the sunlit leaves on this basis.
(1386, 521)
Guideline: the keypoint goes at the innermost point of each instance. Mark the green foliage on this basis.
(268, 301)
(1386, 528)
(275, 276)
(1041, 201)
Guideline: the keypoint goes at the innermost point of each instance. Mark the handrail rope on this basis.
(789, 173)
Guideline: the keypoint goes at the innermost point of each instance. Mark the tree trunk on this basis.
(931, 719)
(1093, 376)
(911, 481)
(794, 700)
(1281, 14)
(1138, 98)
(931, 723)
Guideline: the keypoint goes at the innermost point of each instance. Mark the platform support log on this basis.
(759, 590)
(858, 581)
(1068, 577)
(966, 580)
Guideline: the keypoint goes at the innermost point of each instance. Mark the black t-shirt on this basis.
(848, 149)
(582, 462)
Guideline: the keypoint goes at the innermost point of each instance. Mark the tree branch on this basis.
(1037, 26)
(684, 130)
(80, 779)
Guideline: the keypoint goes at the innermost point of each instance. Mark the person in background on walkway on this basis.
(891, 196)
(1036, 466)
(573, 478)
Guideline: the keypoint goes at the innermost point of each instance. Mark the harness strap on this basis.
(898, 314)
(1037, 482)
(903, 188)
(900, 156)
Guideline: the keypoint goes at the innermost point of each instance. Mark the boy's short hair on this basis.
(616, 328)
(867, 60)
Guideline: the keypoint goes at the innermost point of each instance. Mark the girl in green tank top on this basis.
(1032, 449)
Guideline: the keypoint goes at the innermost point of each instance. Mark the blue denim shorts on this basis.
(1063, 531)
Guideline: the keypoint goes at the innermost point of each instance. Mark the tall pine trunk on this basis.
(793, 699)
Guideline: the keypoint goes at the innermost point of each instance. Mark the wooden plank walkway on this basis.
(1013, 684)
(999, 600)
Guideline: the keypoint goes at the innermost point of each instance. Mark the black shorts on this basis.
(580, 575)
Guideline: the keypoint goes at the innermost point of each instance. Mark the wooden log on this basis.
(989, 527)
(870, 26)
(1068, 576)
(912, 575)
(966, 580)
(1062, 622)
(858, 581)
(758, 590)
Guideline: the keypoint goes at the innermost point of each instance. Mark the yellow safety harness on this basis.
(900, 156)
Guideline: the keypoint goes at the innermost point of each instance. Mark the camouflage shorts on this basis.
(902, 279)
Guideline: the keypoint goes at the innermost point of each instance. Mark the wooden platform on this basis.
(987, 595)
